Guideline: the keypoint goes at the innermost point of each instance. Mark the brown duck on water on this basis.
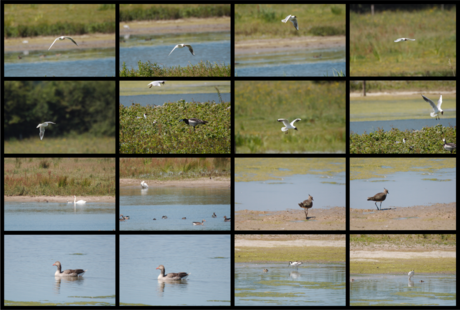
(379, 197)
(307, 204)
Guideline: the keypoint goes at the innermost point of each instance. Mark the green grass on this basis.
(29, 20)
(319, 105)
(59, 176)
(130, 12)
(131, 88)
(286, 254)
(253, 21)
(373, 51)
(148, 69)
(83, 144)
(400, 86)
(169, 135)
(426, 141)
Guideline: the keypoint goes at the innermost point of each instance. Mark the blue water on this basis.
(313, 284)
(397, 290)
(321, 69)
(206, 258)
(406, 189)
(145, 100)
(29, 270)
(406, 124)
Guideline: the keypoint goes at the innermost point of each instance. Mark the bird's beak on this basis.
(442, 113)
(295, 128)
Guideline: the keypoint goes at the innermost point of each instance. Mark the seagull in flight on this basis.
(437, 108)
(293, 19)
(181, 46)
(42, 128)
(404, 39)
(63, 38)
(288, 126)
(156, 83)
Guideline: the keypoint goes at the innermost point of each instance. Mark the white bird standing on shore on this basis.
(63, 38)
(181, 46)
(293, 19)
(156, 83)
(42, 128)
(288, 126)
(404, 39)
(144, 185)
(437, 108)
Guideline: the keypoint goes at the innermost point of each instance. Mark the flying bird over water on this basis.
(181, 46)
(63, 38)
(404, 39)
(42, 128)
(436, 108)
(293, 19)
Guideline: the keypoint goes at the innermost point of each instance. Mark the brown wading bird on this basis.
(379, 197)
(307, 204)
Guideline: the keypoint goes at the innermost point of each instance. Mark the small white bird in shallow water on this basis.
(436, 108)
(288, 126)
(42, 128)
(449, 146)
(295, 264)
(293, 19)
(63, 38)
(144, 185)
(181, 46)
(156, 83)
(404, 39)
(411, 274)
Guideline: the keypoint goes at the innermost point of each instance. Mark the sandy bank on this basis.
(217, 182)
(377, 255)
(60, 199)
(292, 243)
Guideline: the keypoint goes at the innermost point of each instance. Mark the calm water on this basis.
(212, 47)
(397, 290)
(145, 100)
(406, 189)
(29, 270)
(407, 124)
(193, 203)
(59, 216)
(205, 257)
(309, 285)
(295, 63)
(273, 195)
(90, 62)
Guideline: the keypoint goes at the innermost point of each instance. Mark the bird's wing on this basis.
(173, 49)
(286, 19)
(53, 43)
(190, 49)
(400, 39)
(38, 125)
(410, 39)
(297, 119)
(294, 21)
(50, 123)
(72, 40)
(439, 102)
(431, 103)
(285, 121)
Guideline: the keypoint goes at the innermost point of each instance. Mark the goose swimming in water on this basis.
(67, 272)
(171, 276)
(198, 223)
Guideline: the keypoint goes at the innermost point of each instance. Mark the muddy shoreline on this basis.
(214, 182)
(318, 219)
(435, 217)
(60, 199)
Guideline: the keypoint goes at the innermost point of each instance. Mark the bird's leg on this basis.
(306, 214)
(376, 205)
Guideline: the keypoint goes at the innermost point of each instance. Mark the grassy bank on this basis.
(403, 86)
(148, 69)
(264, 20)
(132, 88)
(59, 176)
(130, 12)
(319, 105)
(426, 141)
(373, 51)
(286, 254)
(401, 242)
(174, 168)
(170, 136)
(30, 20)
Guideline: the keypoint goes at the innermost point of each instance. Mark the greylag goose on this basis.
(214, 215)
(379, 197)
(67, 272)
(184, 218)
(171, 276)
(307, 204)
(227, 219)
(265, 270)
(198, 223)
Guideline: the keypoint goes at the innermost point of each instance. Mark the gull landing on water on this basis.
(42, 128)
(293, 19)
(63, 38)
(404, 39)
(437, 108)
(181, 46)
(156, 83)
(288, 126)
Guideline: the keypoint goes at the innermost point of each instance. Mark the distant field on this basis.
(400, 86)
(129, 12)
(373, 51)
(80, 145)
(129, 88)
(202, 69)
(320, 106)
